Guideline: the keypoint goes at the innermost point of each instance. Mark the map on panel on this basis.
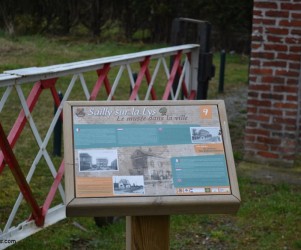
(148, 151)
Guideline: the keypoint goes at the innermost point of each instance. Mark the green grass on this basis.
(235, 74)
(269, 217)
(23, 52)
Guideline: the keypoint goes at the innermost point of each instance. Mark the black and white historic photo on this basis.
(126, 185)
(203, 135)
(98, 160)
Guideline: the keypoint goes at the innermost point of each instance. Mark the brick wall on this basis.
(272, 130)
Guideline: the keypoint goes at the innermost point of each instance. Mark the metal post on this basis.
(57, 132)
(178, 37)
(206, 69)
(222, 72)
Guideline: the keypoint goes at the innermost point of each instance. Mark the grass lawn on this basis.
(270, 214)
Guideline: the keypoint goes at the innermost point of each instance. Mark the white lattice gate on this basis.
(32, 194)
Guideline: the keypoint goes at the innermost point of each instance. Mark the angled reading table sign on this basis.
(148, 158)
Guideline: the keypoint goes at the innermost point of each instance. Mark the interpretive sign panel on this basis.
(148, 158)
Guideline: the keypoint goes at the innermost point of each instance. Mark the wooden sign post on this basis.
(148, 160)
(147, 232)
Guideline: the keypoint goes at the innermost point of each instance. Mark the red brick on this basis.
(262, 103)
(286, 56)
(293, 40)
(262, 118)
(255, 46)
(275, 47)
(268, 154)
(295, 66)
(268, 140)
(257, 21)
(275, 39)
(293, 23)
(293, 98)
(272, 96)
(290, 142)
(261, 71)
(288, 121)
(296, 49)
(257, 132)
(285, 105)
(273, 79)
(255, 62)
(291, 6)
(277, 31)
(283, 150)
(290, 127)
(257, 38)
(291, 113)
(296, 32)
(277, 13)
(281, 88)
(292, 82)
(260, 87)
(252, 79)
(278, 64)
(257, 13)
(258, 146)
(287, 138)
(273, 126)
(296, 15)
(271, 111)
(265, 5)
(287, 73)
(263, 55)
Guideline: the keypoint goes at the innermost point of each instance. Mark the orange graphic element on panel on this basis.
(94, 187)
(212, 147)
(206, 112)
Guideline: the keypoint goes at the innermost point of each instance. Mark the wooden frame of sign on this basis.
(125, 158)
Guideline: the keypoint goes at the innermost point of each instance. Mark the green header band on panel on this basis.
(127, 135)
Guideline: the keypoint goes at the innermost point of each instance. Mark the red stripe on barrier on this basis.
(102, 75)
(49, 83)
(56, 98)
(192, 95)
(172, 75)
(148, 79)
(53, 189)
(108, 86)
(142, 71)
(14, 166)
(21, 120)
(184, 88)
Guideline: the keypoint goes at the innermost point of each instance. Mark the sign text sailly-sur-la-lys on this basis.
(148, 158)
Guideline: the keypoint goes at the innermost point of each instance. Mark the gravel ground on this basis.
(236, 108)
(236, 104)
